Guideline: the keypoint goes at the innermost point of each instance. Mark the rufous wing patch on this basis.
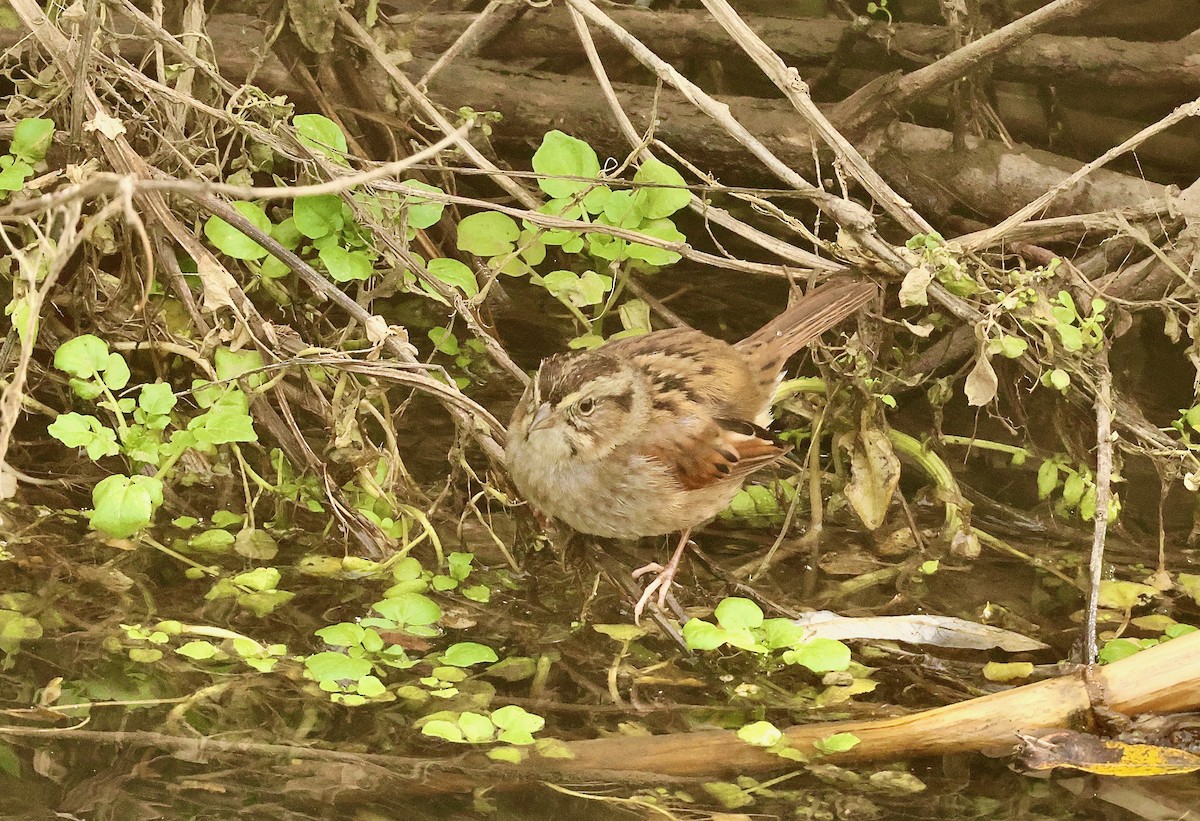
(721, 450)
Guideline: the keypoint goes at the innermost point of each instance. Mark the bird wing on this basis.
(705, 453)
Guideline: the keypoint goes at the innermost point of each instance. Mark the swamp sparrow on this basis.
(655, 434)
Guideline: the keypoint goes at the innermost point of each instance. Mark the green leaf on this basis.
(595, 200)
(319, 215)
(226, 518)
(454, 273)
(198, 650)
(662, 229)
(513, 668)
(82, 357)
(635, 316)
(620, 632)
(581, 291)
(1189, 583)
(227, 420)
(488, 234)
(13, 173)
(567, 210)
(331, 666)
(16, 627)
(460, 564)
(760, 734)
(1047, 478)
(512, 717)
(1118, 649)
(123, 505)
(256, 544)
(1073, 488)
(1119, 595)
(320, 134)
(444, 341)
(422, 213)
(409, 609)
(478, 593)
(445, 730)
(268, 601)
(10, 762)
(31, 139)
(780, 633)
(346, 266)
(820, 655)
(232, 242)
(371, 687)
(736, 613)
(661, 202)
(231, 364)
(141, 444)
(78, 431)
(1010, 347)
(157, 399)
(1071, 337)
(286, 234)
(532, 249)
(836, 743)
(345, 634)
(731, 796)
(623, 210)
(407, 569)
(561, 155)
(260, 579)
(468, 653)
(476, 728)
(702, 635)
(212, 540)
(515, 737)
(116, 372)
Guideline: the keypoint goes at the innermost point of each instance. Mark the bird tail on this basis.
(816, 312)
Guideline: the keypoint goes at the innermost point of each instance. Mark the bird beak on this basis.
(540, 416)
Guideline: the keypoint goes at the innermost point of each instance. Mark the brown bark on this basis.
(990, 181)
(692, 36)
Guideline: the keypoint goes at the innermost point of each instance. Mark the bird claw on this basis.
(653, 567)
(660, 584)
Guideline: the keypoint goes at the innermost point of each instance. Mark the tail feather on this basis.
(815, 313)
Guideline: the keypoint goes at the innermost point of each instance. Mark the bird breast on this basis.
(623, 496)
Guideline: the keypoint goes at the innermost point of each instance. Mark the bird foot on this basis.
(660, 584)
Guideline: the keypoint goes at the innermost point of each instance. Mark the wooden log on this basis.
(1162, 679)
(694, 36)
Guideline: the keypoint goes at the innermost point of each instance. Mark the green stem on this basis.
(986, 444)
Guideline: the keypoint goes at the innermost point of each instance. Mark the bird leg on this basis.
(662, 582)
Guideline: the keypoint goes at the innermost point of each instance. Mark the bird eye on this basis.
(586, 406)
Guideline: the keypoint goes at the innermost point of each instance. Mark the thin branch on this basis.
(850, 216)
(486, 25)
(430, 111)
(700, 206)
(986, 238)
(1104, 468)
(795, 89)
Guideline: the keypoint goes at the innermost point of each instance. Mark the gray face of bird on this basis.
(581, 407)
